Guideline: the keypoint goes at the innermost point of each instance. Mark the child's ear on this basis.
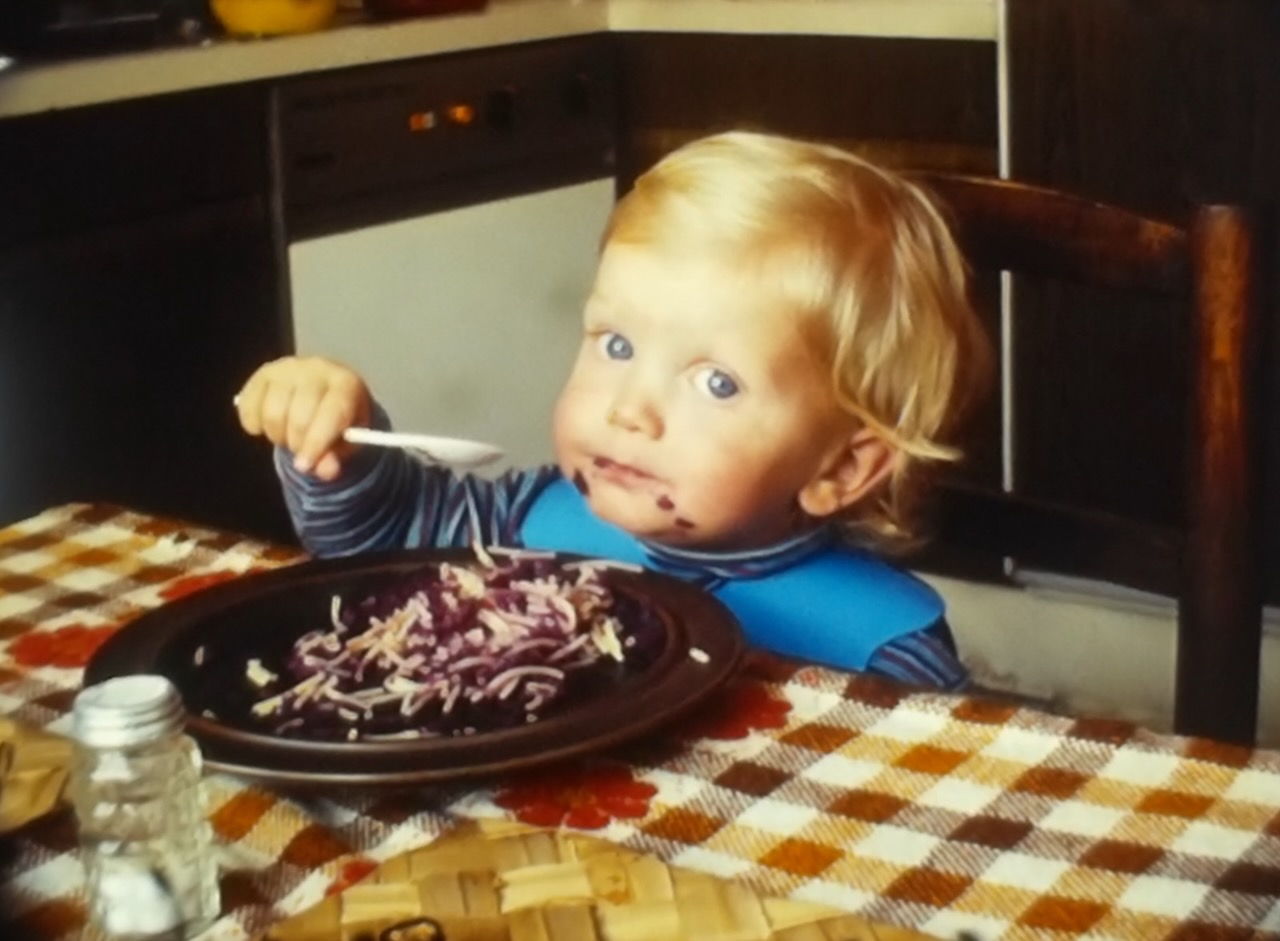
(852, 471)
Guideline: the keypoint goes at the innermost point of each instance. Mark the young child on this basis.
(776, 348)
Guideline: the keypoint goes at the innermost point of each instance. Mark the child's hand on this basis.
(305, 404)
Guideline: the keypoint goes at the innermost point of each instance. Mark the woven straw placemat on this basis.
(33, 773)
(499, 881)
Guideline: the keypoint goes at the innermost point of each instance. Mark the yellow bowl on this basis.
(273, 17)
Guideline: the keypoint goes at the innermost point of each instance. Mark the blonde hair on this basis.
(869, 251)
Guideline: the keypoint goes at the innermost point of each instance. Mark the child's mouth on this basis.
(634, 479)
(623, 474)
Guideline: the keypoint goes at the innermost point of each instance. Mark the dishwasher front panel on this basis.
(463, 322)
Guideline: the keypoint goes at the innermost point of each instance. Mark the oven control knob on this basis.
(500, 109)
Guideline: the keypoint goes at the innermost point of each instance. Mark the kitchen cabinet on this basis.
(907, 102)
(1152, 106)
(138, 288)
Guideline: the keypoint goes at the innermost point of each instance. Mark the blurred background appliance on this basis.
(85, 27)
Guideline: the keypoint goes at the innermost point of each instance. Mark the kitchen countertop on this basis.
(27, 89)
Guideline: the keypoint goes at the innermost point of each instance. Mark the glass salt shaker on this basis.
(145, 841)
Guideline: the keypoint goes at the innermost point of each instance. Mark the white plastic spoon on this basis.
(453, 452)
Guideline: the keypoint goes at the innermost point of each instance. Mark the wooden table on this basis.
(935, 812)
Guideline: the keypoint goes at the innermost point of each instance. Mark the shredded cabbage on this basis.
(452, 650)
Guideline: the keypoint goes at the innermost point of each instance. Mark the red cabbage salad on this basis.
(456, 649)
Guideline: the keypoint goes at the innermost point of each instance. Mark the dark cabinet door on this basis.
(906, 102)
(1152, 105)
(121, 350)
(138, 288)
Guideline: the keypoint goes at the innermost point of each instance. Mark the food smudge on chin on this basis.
(665, 503)
(581, 483)
(684, 523)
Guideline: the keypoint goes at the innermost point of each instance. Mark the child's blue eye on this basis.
(719, 384)
(615, 345)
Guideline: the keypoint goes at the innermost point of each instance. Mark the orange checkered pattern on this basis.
(936, 812)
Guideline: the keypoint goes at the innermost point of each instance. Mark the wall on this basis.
(1079, 652)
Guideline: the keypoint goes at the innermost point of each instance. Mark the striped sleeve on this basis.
(924, 658)
(386, 499)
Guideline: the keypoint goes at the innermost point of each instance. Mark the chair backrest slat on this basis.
(1031, 230)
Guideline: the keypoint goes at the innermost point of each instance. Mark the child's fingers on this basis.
(263, 402)
(327, 467)
(332, 416)
(248, 404)
(273, 411)
(304, 407)
(304, 404)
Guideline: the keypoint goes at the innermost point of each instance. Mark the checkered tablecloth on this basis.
(936, 812)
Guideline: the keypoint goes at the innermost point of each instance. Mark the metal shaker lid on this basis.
(126, 711)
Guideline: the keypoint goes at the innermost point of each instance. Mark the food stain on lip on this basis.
(621, 473)
(665, 503)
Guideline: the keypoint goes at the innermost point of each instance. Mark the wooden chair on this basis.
(1212, 564)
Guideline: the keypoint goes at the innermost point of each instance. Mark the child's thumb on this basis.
(328, 467)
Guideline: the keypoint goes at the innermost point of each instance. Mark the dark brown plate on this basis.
(262, 614)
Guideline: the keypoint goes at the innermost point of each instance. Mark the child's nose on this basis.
(637, 413)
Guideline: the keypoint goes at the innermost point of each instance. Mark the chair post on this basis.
(1220, 603)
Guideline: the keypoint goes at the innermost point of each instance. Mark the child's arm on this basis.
(386, 499)
(345, 500)
(925, 658)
